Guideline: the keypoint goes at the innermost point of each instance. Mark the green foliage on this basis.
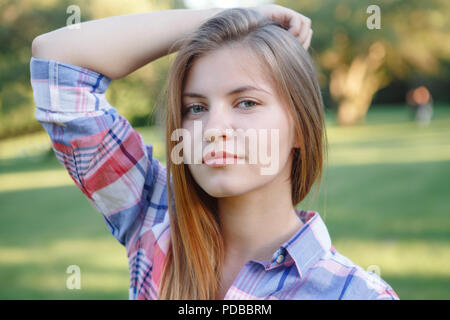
(22, 21)
(356, 61)
(414, 33)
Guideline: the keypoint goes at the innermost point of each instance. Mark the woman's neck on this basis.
(255, 224)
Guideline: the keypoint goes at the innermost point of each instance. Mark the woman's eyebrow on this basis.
(232, 92)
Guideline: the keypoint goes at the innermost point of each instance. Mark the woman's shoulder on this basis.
(355, 282)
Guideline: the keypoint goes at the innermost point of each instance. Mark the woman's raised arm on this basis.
(118, 45)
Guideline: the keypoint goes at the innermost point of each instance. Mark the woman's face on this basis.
(238, 121)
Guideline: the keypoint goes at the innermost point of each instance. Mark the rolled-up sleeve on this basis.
(106, 158)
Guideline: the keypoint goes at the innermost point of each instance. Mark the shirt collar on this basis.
(306, 247)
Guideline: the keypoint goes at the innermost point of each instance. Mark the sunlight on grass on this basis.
(88, 250)
(389, 143)
(34, 180)
(98, 281)
(28, 145)
(399, 258)
(103, 264)
(386, 131)
(388, 154)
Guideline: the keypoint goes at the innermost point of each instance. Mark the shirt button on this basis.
(280, 258)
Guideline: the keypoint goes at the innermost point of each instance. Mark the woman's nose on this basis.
(218, 124)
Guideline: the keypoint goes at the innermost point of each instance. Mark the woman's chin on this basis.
(221, 191)
(219, 188)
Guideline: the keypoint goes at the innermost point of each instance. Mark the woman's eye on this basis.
(251, 106)
(196, 109)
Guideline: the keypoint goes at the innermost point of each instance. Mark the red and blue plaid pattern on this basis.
(110, 163)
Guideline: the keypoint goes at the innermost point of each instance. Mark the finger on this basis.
(306, 27)
(308, 39)
(295, 25)
(308, 20)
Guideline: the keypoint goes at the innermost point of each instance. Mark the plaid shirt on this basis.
(110, 163)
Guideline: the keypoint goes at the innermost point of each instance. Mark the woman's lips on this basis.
(219, 159)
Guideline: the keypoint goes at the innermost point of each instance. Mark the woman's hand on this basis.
(297, 24)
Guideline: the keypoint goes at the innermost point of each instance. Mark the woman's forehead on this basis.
(227, 69)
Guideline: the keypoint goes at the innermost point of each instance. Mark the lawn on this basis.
(384, 197)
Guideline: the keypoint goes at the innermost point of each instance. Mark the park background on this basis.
(385, 191)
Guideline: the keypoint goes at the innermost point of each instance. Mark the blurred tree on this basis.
(21, 21)
(356, 61)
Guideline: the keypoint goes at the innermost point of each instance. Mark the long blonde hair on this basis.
(194, 260)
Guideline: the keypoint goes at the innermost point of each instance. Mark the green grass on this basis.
(384, 197)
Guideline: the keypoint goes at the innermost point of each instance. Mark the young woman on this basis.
(223, 228)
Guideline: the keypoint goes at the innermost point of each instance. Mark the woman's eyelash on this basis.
(188, 108)
(256, 103)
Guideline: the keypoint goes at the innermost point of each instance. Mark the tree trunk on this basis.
(354, 86)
